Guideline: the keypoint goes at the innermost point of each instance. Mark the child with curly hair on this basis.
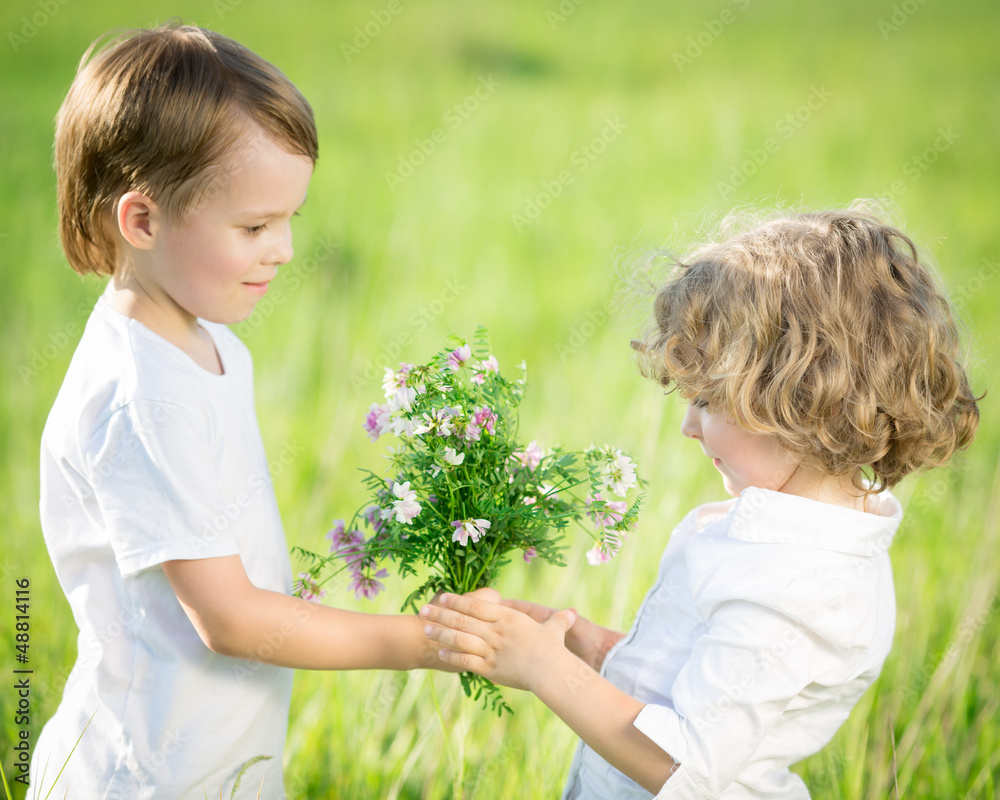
(821, 363)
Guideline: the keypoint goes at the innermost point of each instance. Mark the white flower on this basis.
(401, 426)
(440, 422)
(619, 472)
(452, 457)
(405, 507)
(401, 401)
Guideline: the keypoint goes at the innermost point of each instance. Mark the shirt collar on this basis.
(763, 515)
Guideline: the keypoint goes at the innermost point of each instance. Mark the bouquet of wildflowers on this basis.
(462, 494)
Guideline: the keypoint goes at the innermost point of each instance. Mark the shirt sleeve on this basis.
(152, 469)
(743, 673)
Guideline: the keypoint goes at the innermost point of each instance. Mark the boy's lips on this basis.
(259, 288)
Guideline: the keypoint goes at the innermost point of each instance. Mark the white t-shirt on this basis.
(145, 458)
(771, 616)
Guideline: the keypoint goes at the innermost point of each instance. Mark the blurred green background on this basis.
(497, 163)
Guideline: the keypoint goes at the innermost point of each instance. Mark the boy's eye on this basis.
(699, 402)
(255, 229)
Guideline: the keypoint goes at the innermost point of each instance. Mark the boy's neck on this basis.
(172, 324)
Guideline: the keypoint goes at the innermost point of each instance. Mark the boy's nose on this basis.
(690, 425)
(281, 250)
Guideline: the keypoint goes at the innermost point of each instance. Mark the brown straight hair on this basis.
(157, 111)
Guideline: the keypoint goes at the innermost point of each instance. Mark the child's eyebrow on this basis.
(265, 213)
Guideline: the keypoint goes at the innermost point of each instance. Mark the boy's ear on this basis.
(136, 217)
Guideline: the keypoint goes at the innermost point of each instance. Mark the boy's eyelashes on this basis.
(699, 402)
(254, 230)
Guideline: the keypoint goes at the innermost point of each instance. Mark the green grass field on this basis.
(493, 163)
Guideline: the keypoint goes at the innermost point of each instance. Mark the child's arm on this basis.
(600, 713)
(585, 639)
(236, 618)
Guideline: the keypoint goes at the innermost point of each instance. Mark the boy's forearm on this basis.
(236, 618)
(290, 632)
(603, 716)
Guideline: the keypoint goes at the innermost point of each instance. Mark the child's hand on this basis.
(587, 641)
(429, 652)
(486, 593)
(497, 642)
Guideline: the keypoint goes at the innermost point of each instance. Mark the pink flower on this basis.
(372, 518)
(485, 418)
(610, 514)
(482, 367)
(466, 529)
(596, 557)
(405, 507)
(530, 457)
(336, 534)
(458, 357)
(341, 540)
(367, 585)
(472, 432)
(308, 589)
(377, 422)
(529, 554)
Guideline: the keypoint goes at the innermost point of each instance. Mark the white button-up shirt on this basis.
(771, 616)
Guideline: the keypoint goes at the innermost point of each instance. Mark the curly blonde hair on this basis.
(157, 111)
(826, 329)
